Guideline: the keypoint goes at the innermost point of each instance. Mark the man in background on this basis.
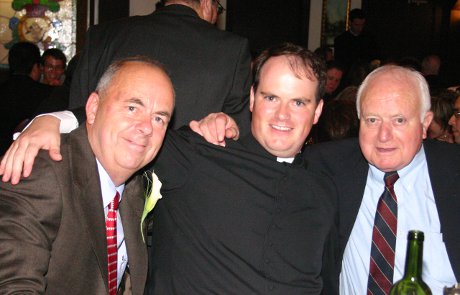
(52, 65)
(454, 121)
(430, 70)
(355, 45)
(21, 93)
(334, 74)
(209, 68)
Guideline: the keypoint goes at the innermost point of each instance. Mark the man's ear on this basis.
(91, 107)
(426, 122)
(318, 111)
(251, 99)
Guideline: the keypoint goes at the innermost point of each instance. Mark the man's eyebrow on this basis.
(136, 101)
(140, 102)
(164, 113)
(268, 93)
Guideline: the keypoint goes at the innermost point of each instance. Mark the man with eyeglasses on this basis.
(455, 121)
(209, 68)
(53, 63)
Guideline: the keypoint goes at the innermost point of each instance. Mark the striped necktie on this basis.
(112, 249)
(384, 240)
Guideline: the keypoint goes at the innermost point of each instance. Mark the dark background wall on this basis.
(266, 23)
(411, 28)
(403, 28)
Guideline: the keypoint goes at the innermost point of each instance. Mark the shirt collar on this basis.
(108, 188)
(406, 174)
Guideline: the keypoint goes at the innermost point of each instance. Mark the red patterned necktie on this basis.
(384, 240)
(112, 249)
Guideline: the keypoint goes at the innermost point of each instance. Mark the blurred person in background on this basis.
(53, 64)
(439, 128)
(454, 121)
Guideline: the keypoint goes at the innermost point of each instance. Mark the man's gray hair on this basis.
(402, 74)
(116, 66)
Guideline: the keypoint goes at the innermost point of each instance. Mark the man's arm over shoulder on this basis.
(30, 214)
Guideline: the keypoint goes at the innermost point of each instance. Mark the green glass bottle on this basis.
(412, 283)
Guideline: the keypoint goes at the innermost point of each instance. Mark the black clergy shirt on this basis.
(235, 221)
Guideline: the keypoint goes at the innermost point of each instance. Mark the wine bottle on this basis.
(412, 282)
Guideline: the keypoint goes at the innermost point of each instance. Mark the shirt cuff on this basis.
(68, 122)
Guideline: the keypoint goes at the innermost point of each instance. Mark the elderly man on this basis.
(393, 106)
(251, 215)
(454, 121)
(61, 229)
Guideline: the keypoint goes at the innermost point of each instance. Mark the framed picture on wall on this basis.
(334, 20)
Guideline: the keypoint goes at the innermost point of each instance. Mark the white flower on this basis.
(152, 195)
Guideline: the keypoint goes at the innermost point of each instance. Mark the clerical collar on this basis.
(288, 160)
(253, 145)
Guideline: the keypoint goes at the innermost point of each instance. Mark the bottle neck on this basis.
(414, 259)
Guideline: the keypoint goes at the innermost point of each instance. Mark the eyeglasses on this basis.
(49, 67)
(220, 8)
(457, 115)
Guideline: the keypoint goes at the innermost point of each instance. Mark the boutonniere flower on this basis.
(152, 195)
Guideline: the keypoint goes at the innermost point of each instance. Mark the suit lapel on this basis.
(445, 181)
(351, 185)
(88, 198)
(131, 208)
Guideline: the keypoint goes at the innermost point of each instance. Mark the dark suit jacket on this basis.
(347, 166)
(209, 68)
(52, 226)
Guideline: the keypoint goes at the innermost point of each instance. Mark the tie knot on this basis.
(114, 204)
(390, 178)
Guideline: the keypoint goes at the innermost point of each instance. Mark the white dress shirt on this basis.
(416, 210)
(109, 190)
